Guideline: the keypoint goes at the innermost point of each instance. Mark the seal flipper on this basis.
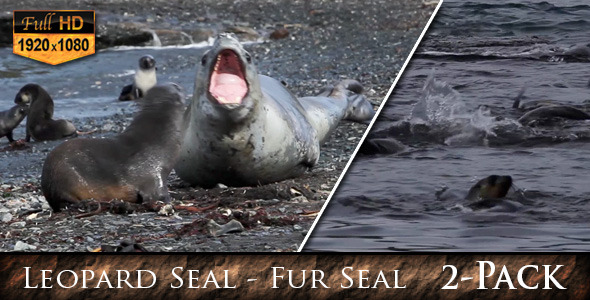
(519, 97)
(359, 108)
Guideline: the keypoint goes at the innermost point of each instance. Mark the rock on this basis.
(218, 230)
(278, 34)
(244, 33)
(221, 186)
(5, 217)
(6, 28)
(300, 199)
(21, 246)
(18, 224)
(166, 210)
(121, 34)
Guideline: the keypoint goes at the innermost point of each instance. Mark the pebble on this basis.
(21, 246)
(18, 224)
(5, 217)
(300, 199)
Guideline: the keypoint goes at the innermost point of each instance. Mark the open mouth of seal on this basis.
(227, 83)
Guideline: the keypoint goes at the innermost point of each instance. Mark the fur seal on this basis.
(40, 123)
(530, 105)
(145, 79)
(132, 166)
(9, 119)
(243, 128)
(553, 111)
(372, 146)
(493, 186)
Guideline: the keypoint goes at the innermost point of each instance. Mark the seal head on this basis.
(233, 88)
(10, 119)
(40, 124)
(493, 186)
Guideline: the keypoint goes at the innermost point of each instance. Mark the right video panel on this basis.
(483, 144)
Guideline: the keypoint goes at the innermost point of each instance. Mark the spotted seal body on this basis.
(144, 79)
(9, 119)
(243, 128)
(40, 124)
(132, 166)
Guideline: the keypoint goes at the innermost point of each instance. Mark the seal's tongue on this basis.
(227, 83)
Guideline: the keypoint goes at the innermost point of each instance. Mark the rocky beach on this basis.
(305, 44)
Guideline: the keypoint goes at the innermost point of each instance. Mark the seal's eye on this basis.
(248, 57)
(204, 60)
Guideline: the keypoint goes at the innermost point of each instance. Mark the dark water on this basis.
(452, 110)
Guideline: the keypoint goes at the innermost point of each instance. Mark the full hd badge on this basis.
(53, 36)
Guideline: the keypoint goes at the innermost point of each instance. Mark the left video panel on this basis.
(104, 154)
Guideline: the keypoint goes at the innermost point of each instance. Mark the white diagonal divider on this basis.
(399, 74)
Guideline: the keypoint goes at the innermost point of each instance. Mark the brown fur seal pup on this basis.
(493, 186)
(40, 123)
(9, 119)
(243, 128)
(145, 79)
(132, 166)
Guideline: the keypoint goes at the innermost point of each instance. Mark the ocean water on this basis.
(90, 86)
(452, 110)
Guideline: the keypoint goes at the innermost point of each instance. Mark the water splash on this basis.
(155, 39)
(441, 106)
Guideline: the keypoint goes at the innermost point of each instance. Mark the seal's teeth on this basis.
(222, 99)
(237, 99)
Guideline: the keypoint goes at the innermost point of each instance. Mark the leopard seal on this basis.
(245, 129)
(144, 79)
(132, 166)
(40, 123)
(9, 119)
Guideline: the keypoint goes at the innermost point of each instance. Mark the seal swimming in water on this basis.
(132, 166)
(145, 79)
(493, 186)
(9, 119)
(40, 124)
(553, 111)
(372, 146)
(243, 128)
(546, 110)
(527, 106)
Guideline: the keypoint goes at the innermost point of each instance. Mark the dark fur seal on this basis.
(40, 124)
(372, 146)
(132, 166)
(530, 105)
(9, 119)
(553, 111)
(145, 79)
(247, 129)
(493, 186)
